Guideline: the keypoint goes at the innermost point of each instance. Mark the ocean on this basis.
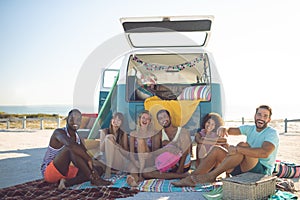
(62, 110)
(231, 113)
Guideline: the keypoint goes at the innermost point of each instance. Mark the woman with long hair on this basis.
(141, 142)
(207, 135)
(114, 144)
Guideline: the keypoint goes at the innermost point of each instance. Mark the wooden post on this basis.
(7, 124)
(243, 120)
(42, 124)
(58, 121)
(24, 122)
(285, 125)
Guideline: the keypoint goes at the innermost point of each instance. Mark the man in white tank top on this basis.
(175, 136)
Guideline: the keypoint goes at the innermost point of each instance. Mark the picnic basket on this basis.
(249, 186)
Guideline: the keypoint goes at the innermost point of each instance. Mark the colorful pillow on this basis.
(286, 170)
(195, 92)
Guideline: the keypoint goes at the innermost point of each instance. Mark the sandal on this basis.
(284, 184)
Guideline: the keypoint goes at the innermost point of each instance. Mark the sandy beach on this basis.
(21, 151)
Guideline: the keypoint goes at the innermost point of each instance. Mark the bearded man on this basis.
(257, 154)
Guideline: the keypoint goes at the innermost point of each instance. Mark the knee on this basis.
(217, 149)
(110, 138)
(218, 152)
(68, 152)
(69, 148)
(243, 144)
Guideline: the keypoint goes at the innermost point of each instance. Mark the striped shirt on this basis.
(52, 152)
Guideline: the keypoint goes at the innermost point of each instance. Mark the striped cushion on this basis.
(195, 92)
(286, 170)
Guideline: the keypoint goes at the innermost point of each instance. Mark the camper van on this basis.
(166, 68)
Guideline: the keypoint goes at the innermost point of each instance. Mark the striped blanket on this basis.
(160, 185)
(153, 185)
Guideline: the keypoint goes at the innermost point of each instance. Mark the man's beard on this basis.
(167, 125)
(260, 124)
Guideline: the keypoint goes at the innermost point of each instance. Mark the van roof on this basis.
(167, 31)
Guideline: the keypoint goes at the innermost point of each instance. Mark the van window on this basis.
(109, 76)
(168, 76)
(168, 39)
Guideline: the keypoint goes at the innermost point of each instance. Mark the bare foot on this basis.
(97, 180)
(61, 185)
(131, 181)
(107, 172)
(185, 182)
(186, 174)
(203, 178)
(101, 182)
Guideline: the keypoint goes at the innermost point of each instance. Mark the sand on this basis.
(21, 151)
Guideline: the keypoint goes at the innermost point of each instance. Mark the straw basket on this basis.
(249, 186)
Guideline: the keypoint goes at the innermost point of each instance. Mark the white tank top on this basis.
(165, 136)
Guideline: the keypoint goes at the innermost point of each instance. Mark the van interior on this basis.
(168, 76)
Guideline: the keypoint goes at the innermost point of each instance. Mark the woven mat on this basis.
(39, 189)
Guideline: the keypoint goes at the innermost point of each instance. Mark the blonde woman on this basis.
(141, 142)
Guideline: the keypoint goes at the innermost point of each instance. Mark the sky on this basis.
(43, 45)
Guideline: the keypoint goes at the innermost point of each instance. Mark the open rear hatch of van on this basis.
(179, 31)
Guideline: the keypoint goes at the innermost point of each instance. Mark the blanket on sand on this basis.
(153, 185)
(39, 189)
(160, 185)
